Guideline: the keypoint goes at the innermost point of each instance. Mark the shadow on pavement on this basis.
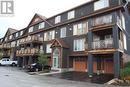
(83, 76)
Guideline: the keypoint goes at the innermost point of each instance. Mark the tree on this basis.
(42, 59)
(1, 55)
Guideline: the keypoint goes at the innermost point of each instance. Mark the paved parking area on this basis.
(14, 77)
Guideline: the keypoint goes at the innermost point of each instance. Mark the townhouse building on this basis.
(92, 37)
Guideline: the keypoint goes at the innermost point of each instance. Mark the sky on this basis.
(24, 10)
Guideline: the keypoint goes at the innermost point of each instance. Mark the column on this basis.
(117, 64)
(115, 32)
(30, 60)
(90, 65)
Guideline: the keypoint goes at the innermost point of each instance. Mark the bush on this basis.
(125, 73)
(127, 64)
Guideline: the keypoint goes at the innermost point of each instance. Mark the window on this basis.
(71, 14)
(10, 37)
(101, 4)
(21, 33)
(57, 19)
(41, 25)
(63, 32)
(108, 37)
(5, 38)
(102, 20)
(30, 29)
(125, 42)
(79, 45)
(123, 21)
(80, 28)
(16, 35)
(49, 35)
(48, 49)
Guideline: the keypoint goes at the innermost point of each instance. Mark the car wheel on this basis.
(13, 64)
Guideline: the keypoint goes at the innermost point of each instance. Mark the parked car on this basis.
(38, 67)
(7, 61)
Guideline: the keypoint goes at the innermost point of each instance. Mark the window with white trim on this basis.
(10, 37)
(125, 42)
(101, 4)
(63, 32)
(41, 25)
(30, 29)
(79, 45)
(49, 35)
(16, 35)
(71, 14)
(48, 48)
(57, 19)
(80, 28)
(106, 19)
(21, 33)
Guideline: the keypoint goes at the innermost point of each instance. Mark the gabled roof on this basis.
(38, 19)
(59, 42)
(10, 31)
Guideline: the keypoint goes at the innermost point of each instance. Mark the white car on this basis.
(7, 61)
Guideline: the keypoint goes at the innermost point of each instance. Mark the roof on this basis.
(11, 30)
(60, 42)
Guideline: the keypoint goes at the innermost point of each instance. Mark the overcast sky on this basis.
(24, 10)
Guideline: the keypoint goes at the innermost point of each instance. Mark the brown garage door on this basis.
(80, 64)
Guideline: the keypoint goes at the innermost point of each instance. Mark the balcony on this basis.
(27, 52)
(31, 39)
(102, 44)
(5, 46)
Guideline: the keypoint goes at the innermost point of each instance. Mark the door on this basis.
(56, 58)
(80, 64)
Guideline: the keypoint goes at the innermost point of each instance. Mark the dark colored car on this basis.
(38, 67)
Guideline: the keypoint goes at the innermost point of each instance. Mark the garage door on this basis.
(80, 64)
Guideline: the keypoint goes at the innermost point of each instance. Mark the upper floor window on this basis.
(48, 48)
(57, 19)
(41, 25)
(49, 35)
(101, 4)
(102, 20)
(21, 33)
(79, 45)
(16, 35)
(10, 37)
(63, 32)
(71, 14)
(80, 28)
(30, 29)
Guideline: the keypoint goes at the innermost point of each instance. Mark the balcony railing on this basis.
(5, 46)
(27, 52)
(31, 39)
(102, 44)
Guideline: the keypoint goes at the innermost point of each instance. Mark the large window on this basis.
(102, 20)
(10, 37)
(79, 45)
(80, 28)
(63, 32)
(57, 19)
(48, 49)
(49, 35)
(30, 29)
(21, 33)
(101, 4)
(41, 25)
(71, 14)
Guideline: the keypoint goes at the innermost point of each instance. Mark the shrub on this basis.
(125, 73)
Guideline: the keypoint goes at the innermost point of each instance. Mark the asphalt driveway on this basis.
(83, 77)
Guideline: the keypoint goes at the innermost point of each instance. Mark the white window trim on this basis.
(79, 44)
(101, 4)
(71, 14)
(57, 19)
(48, 49)
(41, 25)
(30, 29)
(63, 32)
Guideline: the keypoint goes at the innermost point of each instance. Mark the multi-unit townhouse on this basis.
(92, 37)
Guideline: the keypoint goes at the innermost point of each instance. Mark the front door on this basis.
(56, 58)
